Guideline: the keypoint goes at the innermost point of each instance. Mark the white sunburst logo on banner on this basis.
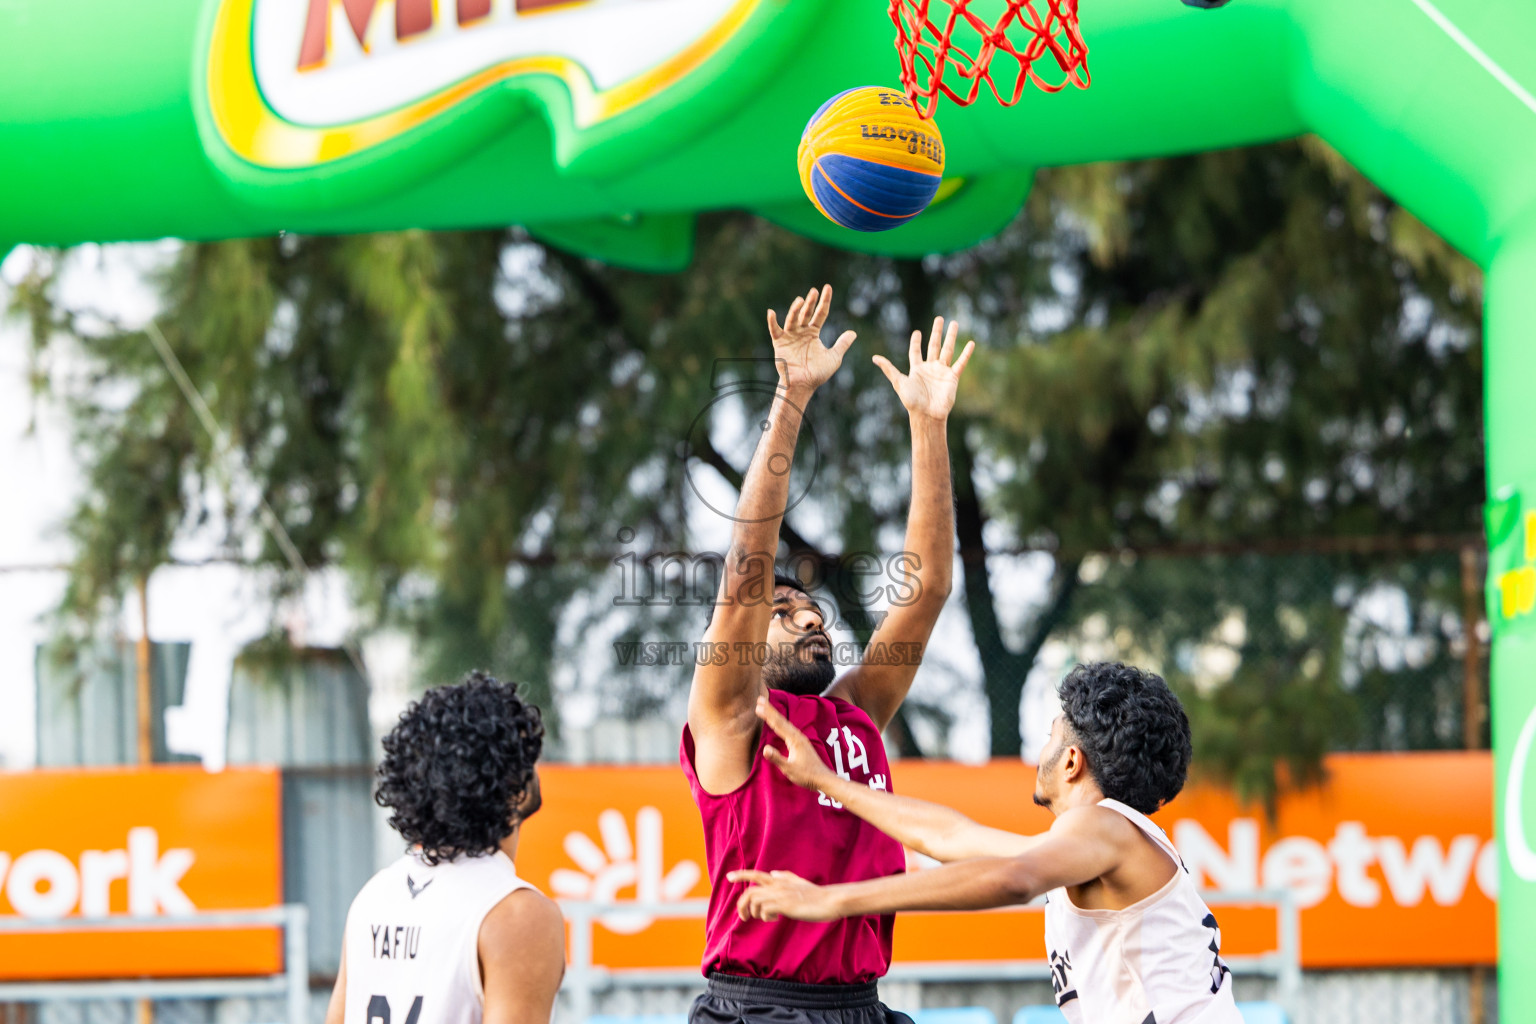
(622, 862)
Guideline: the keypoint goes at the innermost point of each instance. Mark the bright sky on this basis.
(40, 477)
(218, 608)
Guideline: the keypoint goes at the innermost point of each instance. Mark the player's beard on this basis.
(795, 674)
(1045, 772)
(532, 799)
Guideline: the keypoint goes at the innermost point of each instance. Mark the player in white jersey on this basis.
(449, 934)
(1129, 939)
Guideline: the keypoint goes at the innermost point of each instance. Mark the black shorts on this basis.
(731, 999)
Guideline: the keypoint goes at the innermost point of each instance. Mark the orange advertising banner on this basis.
(142, 842)
(1391, 860)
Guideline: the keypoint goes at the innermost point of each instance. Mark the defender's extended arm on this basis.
(930, 829)
(1082, 845)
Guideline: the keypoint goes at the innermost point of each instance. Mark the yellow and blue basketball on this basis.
(868, 161)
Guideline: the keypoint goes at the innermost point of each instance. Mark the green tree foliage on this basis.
(1240, 349)
(463, 421)
(1230, 349)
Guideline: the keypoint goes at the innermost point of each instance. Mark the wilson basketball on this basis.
(868, 161)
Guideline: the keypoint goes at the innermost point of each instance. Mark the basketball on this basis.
(868, 161)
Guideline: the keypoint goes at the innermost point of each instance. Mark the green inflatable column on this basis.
(1510, 388)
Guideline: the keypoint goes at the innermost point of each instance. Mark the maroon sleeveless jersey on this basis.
(770, 824)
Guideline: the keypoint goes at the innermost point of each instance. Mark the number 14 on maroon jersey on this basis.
(858, 757)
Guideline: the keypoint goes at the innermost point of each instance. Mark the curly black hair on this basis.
(1132, 730)
(457, 765)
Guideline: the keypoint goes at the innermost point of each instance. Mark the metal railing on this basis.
(583, 978)
(292, 983)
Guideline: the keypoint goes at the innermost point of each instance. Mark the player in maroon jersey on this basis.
(752, 814)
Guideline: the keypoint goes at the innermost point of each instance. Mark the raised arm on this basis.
(720, 702)
(930, 829)
(927, 392)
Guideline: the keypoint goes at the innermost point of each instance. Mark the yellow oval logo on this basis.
(299, 83)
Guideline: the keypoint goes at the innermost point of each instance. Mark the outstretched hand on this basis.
(803, 361)
(782, 893)
(802, 765)
(928, 387)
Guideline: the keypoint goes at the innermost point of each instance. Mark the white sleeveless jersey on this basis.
(1155, 962)
(412, 938)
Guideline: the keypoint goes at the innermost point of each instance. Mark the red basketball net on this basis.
(920, 41)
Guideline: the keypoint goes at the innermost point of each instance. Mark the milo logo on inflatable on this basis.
(299, 83)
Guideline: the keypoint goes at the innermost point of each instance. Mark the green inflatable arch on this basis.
(604, 125)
